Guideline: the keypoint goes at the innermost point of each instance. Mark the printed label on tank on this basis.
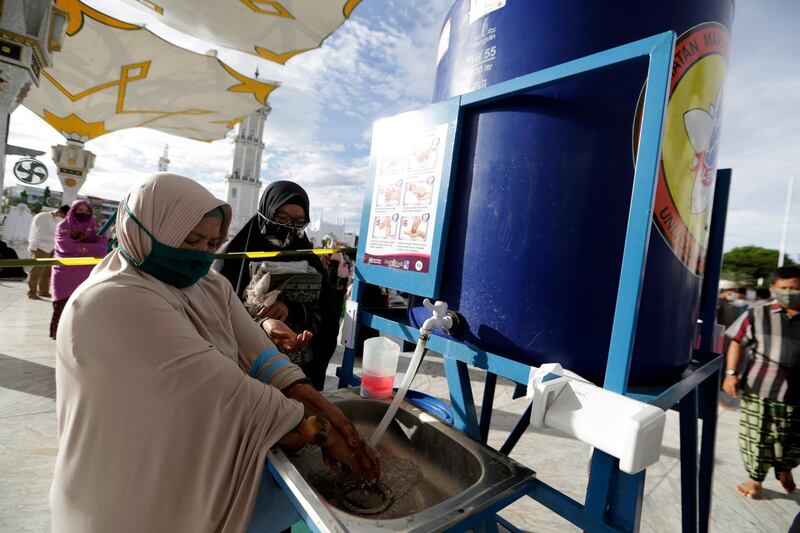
(689, 150)
(479, 62)
(479, 8)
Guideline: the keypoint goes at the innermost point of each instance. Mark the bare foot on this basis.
(749, 489)
(787, 481)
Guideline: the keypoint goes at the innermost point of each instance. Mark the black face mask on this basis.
(280, 235)
(82, 217)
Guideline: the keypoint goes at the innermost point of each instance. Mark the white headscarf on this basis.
(17, 224)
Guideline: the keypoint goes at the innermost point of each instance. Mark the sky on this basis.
(382, 62)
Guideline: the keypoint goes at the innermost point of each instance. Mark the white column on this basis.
(4, 117)
(73, 163)
(787, 214)
(243, 183)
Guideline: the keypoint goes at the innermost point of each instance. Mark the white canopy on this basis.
(111, 75)
(274, 30)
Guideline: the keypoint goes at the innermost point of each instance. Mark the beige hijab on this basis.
(160, 427)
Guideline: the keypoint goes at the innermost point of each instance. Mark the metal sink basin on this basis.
(437, 476)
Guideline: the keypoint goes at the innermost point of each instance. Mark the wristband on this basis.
(291, 385)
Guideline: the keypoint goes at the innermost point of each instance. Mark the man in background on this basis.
(763, 296)
(41, 241)
(769, 426)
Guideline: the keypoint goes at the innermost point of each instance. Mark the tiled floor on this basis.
(28, 443)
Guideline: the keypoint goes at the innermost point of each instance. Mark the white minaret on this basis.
(243, 183)
(163, 161)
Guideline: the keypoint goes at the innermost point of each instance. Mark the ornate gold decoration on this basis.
(128, 73)
(77, 10)
(277, 9)
(349, 7)
(258, 89)
(74, 124)
(279, 58)
(26, 41)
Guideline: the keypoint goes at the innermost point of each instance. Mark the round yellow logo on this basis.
(690, 145)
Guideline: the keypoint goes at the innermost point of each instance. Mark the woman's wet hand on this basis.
(316, 402)
(361, 461)
(361, 458)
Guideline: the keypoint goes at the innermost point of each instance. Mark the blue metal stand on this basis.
(613, 499)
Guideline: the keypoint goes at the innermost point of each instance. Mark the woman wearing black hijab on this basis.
(278, 225)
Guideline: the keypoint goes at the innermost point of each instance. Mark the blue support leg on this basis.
(716, 240)
(487, 405)
(465, 418)
(708, 398)
(522, 424)
(625, 508)
(614, 496)
(598, 493)
(688, 442)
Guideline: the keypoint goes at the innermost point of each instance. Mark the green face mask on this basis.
(788, 297)
(174, 266)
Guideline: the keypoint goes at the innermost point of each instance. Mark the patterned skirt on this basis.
(769, 436)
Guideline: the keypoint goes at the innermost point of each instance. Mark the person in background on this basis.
(17, 225)
(732, 303)
(741, 297)
(76, 236)
(763, 296)
(169, 396)
(41, 241)
(10, 273)
(338, 268)
(310, 327)
(728, 308)
(769, 428)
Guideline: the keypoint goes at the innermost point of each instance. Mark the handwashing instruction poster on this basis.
(408, 162)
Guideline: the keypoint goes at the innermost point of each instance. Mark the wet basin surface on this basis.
(420, 465)
(435, 475)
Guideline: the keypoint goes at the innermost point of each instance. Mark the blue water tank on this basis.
(543, 180)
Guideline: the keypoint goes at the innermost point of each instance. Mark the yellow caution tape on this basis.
(89, 261)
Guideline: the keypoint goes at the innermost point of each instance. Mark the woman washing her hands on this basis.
(169, 395)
